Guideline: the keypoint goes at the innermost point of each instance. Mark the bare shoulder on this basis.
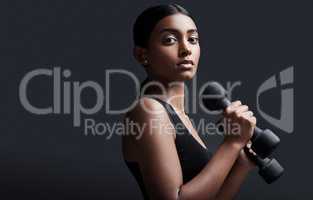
(154, 149)
(146, 109)
(151, 124)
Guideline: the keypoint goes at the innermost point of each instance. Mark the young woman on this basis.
(171, 162)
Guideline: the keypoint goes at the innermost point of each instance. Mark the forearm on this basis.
(209, 181)
(207, 184)
(233, 181)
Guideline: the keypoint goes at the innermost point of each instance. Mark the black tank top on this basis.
(192, 155)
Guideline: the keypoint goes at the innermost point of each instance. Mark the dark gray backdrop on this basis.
(45, 157)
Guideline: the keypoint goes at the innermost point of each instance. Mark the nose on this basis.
(184, 49)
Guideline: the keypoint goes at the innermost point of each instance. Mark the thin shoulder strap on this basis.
(181, 141)
(171, 112)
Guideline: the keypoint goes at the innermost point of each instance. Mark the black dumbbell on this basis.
(264, 142)
(269, 168)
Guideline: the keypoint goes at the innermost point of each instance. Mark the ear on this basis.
(140, 54)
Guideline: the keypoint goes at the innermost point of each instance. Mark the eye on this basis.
(194, 40)
(168, 40)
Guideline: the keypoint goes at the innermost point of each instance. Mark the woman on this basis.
(170, 162)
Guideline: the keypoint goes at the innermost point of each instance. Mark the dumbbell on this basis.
(264, 142)
(269, 168)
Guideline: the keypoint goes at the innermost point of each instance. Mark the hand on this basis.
(244, 161)
(239, 122)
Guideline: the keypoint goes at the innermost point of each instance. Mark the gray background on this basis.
(45, 157)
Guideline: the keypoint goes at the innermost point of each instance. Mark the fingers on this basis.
(248, 145)
(238, 112)
(232, 107)
(247, 114)
(235, 103)
(239, 120)
(236, 109)
(249, 118)
(253, 121)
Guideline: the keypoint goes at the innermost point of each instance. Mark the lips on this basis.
(185, 64)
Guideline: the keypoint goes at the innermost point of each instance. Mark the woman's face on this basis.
(173, 50)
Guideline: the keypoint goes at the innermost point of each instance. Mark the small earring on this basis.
(145, 62)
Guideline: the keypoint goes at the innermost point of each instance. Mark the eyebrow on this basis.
(176, 31)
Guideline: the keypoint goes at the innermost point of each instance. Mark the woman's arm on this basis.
(159, 162)
(209, 181)
(236, 177)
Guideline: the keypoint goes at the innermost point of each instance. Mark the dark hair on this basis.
(148, 19)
